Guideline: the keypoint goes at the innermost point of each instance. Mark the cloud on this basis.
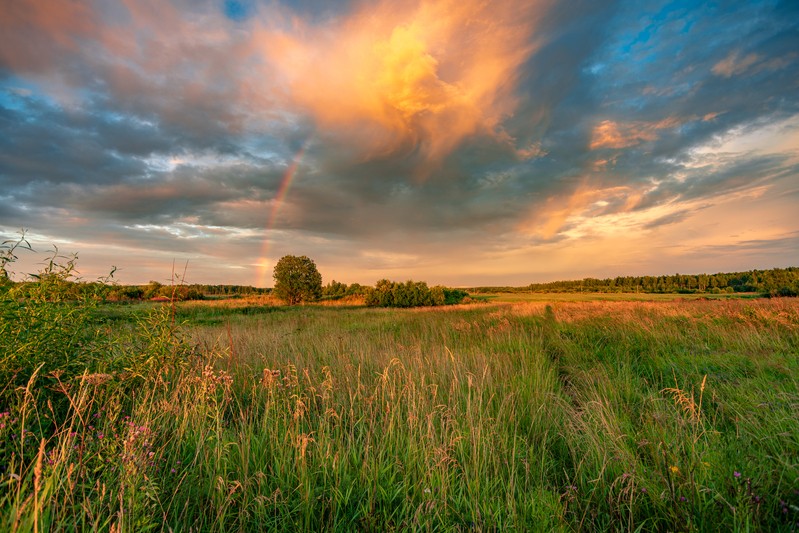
(671, 218)
(733, 64)
(407, 76)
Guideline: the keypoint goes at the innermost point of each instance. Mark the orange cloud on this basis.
(550, 219)
(62, 22)
(733, 64)
(423, 74)
(610, 134)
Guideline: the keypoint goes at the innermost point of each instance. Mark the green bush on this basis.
(411, 294)
(52, 334)
(46, 326)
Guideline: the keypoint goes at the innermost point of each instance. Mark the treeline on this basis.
(195, 291)
(773, 282)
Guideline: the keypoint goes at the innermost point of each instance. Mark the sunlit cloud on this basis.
(734, 64)
(589, 201)
(407, 75)
(610, 134)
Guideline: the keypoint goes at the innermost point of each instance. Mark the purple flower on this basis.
(683, 498)
(643, 489)
(736, 474)
(173, 470)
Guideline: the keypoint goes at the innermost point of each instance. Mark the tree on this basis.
(297, 279)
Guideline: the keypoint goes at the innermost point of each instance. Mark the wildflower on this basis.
(173, 470)
(683, 499)
(736, 474)
(643, 489)
(674, 469)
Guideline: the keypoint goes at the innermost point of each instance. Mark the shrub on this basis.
(411, 294)
(51, 334)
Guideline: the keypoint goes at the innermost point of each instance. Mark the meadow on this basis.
(538, 414)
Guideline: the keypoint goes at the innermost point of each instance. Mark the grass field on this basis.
(518, 297)
(537, 414)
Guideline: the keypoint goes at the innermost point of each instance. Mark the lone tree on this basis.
(297, 279)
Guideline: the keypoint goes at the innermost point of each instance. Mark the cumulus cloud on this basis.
(407, 76)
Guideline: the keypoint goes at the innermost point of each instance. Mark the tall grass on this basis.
(569, 416)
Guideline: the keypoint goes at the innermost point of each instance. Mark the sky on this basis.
(458, 142)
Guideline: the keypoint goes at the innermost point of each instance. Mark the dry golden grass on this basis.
(784, 311)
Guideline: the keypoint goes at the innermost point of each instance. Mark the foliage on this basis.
(297, 280)
(411, 294)
(45, 326)
(776, 282)
(8, 251)
(50, 334)
(336, 290)
(180, 292)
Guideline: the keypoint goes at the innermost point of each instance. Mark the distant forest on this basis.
(773, 282)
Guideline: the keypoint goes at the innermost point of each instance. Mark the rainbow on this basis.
(277, 202)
